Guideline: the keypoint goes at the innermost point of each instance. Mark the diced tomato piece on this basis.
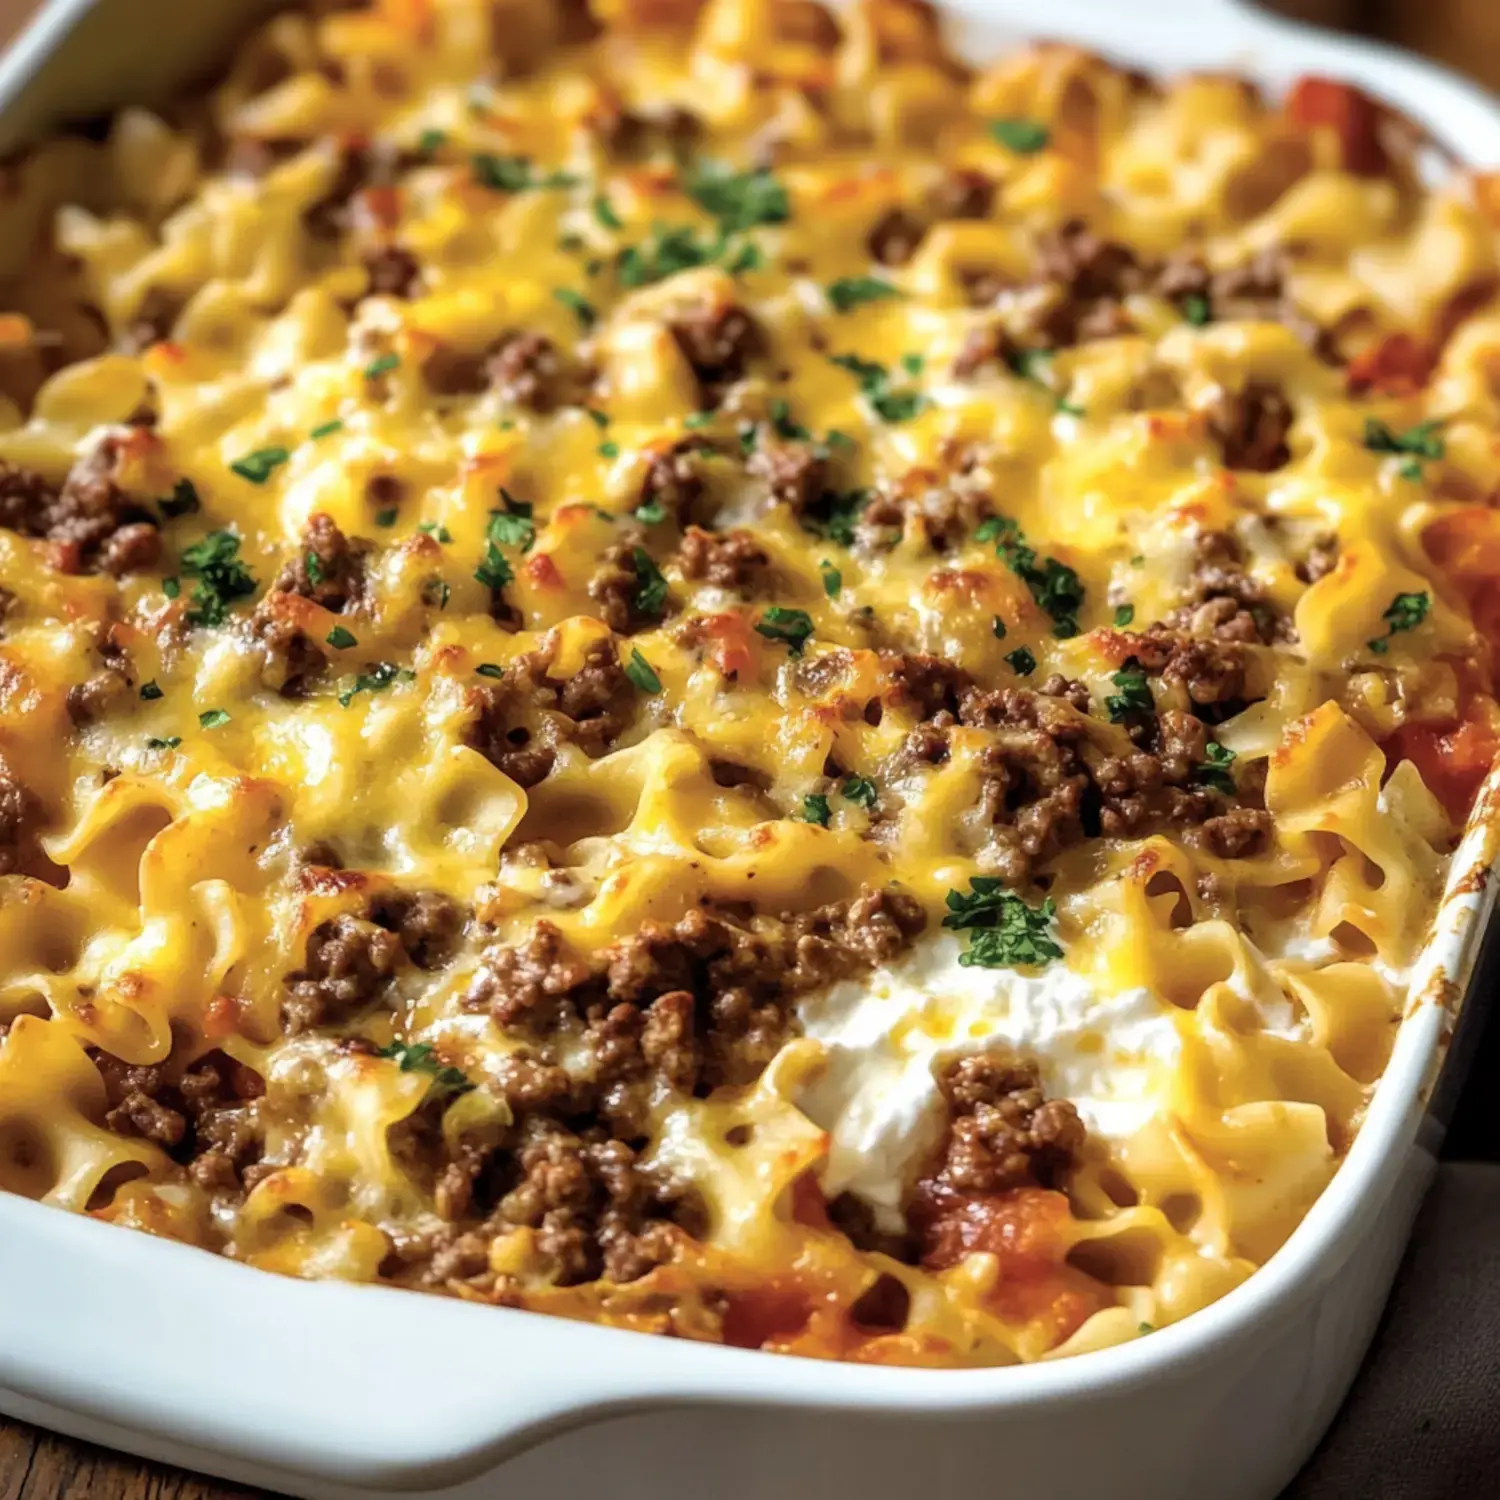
(1396, 366)
(1453, 761)
(1354, 116)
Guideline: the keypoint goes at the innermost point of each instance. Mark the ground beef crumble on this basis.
(683, 1007)
(521, 720)
(91, 522)
(728, 560)
(1003, 1133)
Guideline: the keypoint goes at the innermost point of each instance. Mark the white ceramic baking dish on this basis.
(332, 1391)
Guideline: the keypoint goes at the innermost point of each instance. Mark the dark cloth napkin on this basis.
(1423, 1419)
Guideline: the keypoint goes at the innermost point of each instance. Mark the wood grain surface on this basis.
(38, 1465)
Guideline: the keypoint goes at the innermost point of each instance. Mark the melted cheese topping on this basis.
(813, 279)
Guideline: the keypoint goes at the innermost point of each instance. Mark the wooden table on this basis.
(38, 1465)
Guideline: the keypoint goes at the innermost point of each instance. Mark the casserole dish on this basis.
(294, 1409)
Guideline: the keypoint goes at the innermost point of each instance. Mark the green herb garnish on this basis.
(852, 291)
(341, 639)
(379, 677)
(489, 669)
(1006, 932)
(420, 1057)
(860, 790)
(514, 174)
(794, 626)
(740, 201)
(833, 580)
(1134, 696)
(1124, 614)
(1213, 772)
(257, 466)
(151, 691)
(642, 673)
(326, 429)
(183, 500)
(815, 809)
(1021, 661)
(578, 305)
(1026, 137)
(1404, 612)
(382, 364)
(650, 586)
(212, 718)
(221, 577)
(874, 386)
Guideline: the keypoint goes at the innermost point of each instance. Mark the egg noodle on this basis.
(688, 665)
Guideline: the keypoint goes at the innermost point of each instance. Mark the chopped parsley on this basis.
(183, 501)
(313, 565)
(650, 587)
(490, 669)
(257, 466)
(379, 677)
(1196, 310)
(1054, 586)
(874, 386)
(382, 364)
(341, 639)
(794, 626)
(420, 1057)
(997, 625)
(428, 528)
(326, 429)
(212, 718)
(610, 450)
(494, 572)
(815, 809)
(436, 591)
(667, 251)
(578, 305)
(852, 291)
(833, 514)
(1021, 661)
(1404, 612)
(1005, 931)
(151, 691)
(513, 526)
(860, 790)
(1124, 614)
(598, 418)
(833, 580)
(1420, 442)
(648, 513)
(783, 425)
(642, 673)
(1214, 772)
(913, 364)
(171, 742)
(740, 201)
(221, 577)
(697, 420)
(1134, 696)
(1035, 365)
(514, 174)
(431, 140)
(386, 517)
(604, 212)
(1026, 137)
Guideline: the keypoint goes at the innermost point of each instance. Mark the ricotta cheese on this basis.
(888, 1038)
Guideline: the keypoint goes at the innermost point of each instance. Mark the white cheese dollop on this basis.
(889, 1036)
